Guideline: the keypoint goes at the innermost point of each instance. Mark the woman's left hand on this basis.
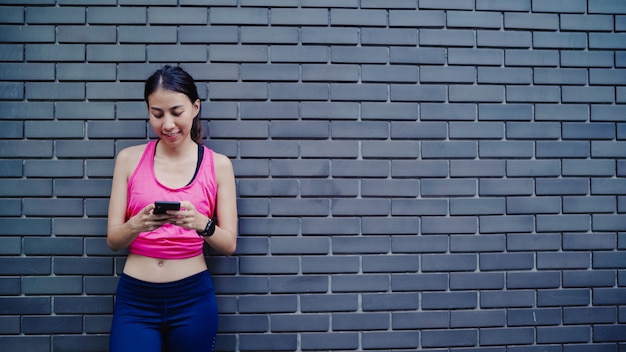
(188, 217)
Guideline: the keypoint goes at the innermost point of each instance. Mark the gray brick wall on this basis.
(443, 175)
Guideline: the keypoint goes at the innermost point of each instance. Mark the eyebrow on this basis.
(172, 108)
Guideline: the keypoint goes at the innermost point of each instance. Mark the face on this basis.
(171, 115)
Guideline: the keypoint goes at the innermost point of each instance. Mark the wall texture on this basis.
(443, 175)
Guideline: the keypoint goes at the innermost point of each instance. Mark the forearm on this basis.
(121, 236)
(223, 241)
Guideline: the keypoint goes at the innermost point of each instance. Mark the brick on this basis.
(275, 110)
(300, 246)
(406, 55)
(503, 5)
(360, 321)
(306, 54)
(55, 15)
(334, 149)
(385, 4)
(389, 302)
(543, 58)
(420, 244)
(389, 111)
(330, 265)
(25, 305)
(435, 93)
(450, 149)
(557, 334)
(477, 168)
(476, 281)
(267, 304)
(576, 278)
(477, 19)
(116, 15)
(506, 39)
(278, 342)
(561, 297)
(419, 282)
(528, 242)
(52, 325)
(385, 340)
(532, 168)
(361, 92)
(35, 343)
(419, 207)
(533, 280)
(359, 283)
(370, 245)
(588, 168)
(508, 261)
(244, 16)
(390, 149)
(447, 4)
(419, 320)
(607, 113)
(468, 319)
(507, 299)
(477, 206)
(393, 36)
(534, 317)
(421, 18)
(449, 300)
(506, 112)
(495, 187)
(392, 188)
(304, 17)
(512, 223)
(504, 75)
(396, 73)
(535, 21)
(533, 205)
(27, 34)
(329, 302)
(551, 223)
(476, 130)
(424, 130)
(350, 17)
(268, 265)
(561, 112)
(463, 93)
(448, 187)
(315, 35)
(615, 41)
(328, 340)
(509, 336)
(587, 59)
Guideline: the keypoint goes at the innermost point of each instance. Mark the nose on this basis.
(168, 122)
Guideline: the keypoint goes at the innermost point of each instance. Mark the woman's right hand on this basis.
(146, 220)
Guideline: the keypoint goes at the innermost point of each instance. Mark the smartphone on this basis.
(162, 206)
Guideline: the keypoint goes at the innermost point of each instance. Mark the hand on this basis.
(188, 217)
(146, 220)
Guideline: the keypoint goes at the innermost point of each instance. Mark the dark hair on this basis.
(176, 79)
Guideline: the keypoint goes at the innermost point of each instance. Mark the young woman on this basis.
(165, 299)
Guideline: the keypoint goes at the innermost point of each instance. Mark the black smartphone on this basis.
(162, 206)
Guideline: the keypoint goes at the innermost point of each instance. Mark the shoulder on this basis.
(129, 157)
(223, 165)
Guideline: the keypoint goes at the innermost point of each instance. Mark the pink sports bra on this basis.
(170, 241)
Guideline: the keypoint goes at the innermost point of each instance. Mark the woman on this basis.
(165, 299)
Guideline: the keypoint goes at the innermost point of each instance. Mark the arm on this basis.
(224, 239)
(121, 232)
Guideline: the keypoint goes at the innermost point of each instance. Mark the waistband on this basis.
(194, 284)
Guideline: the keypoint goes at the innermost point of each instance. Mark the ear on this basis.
(196, 107)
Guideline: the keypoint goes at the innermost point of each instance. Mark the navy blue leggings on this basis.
(178, 316)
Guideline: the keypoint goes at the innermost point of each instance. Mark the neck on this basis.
(167, 150)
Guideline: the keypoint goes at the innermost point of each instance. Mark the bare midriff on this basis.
(163, 270)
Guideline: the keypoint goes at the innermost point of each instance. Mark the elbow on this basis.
(230, 250)
(113, 245)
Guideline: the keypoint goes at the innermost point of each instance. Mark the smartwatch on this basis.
(209, 229)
